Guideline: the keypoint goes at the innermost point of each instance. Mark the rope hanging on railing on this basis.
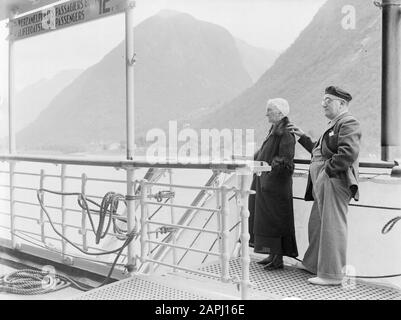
(108, 207)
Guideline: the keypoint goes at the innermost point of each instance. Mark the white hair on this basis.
(281, 104)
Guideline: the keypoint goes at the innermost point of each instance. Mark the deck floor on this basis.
(289, 283)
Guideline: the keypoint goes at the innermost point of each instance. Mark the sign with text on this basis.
(64, 15)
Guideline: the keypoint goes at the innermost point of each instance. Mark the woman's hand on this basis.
(295, 130)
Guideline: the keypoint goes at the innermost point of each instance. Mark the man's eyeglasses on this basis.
(328, 100)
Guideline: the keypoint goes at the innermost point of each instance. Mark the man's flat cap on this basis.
(338, 92)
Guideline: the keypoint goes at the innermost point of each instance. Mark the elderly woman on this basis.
(271, 208)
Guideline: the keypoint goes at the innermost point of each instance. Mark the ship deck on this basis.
(288, 283)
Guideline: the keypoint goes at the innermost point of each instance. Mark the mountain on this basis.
(256, 60)
(183, 66)
(324, 54)
(31, 100)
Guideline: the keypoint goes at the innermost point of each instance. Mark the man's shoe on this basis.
(267, 260)
(324, 282)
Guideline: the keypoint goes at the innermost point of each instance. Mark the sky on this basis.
(271, 24)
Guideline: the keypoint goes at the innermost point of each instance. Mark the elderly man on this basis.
(332, 183)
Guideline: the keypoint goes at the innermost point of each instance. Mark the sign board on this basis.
(64, 15)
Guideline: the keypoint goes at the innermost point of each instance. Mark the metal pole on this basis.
(391, 81)
(11, 131)
(130, 60)
(173, 219)
(243, 185)
(225, 256)
(63, 213)
(42, 214)
(12, 204)
(84, 180)
(130, 130)
(130, 200)
(144, 223)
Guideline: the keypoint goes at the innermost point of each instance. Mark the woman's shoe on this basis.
(267, 260)
(277, 263)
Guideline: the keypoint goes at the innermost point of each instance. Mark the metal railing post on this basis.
(173, 219)
(244, 213)
(144, 217)
(84, 180)
(11, 89)
(63, 212)
(129, 82)
(225, 257)
(150, 245)
(218, 219)
(130, 200)
(12, 205)
(42, 199)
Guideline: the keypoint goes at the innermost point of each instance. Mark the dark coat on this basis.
(271, 224)
(340, 145)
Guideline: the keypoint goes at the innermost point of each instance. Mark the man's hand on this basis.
(295, 130)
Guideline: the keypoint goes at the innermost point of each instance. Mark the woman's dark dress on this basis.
(271, 222)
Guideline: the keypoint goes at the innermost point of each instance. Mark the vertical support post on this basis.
(130, 129)
(225, 256)
(63, 212)
(11, 84)
(144, 224)
(11, 132)
(218, 219)
(130, 200)
(12, 204)
(391, 80)
(84, 180)
(42, 217)
(173, 219)
(130, 60)
(243, 183)
(149, 253)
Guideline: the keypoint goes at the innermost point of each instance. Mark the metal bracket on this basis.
(131, 61)
(131, 4)
(396, 171)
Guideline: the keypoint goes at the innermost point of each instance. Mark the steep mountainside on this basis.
(256, 60)
(30, 101)
(183, 66)
(325, 54)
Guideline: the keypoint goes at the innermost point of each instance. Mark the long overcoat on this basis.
(271, 222)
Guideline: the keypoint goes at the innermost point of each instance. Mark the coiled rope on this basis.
(32, 282)
(29, 281)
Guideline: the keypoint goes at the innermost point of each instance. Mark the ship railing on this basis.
(221, 232)
(30, 233)
(372, 172)
(147, 251)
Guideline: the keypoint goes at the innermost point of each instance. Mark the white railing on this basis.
(43, 243)
(221, 231)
